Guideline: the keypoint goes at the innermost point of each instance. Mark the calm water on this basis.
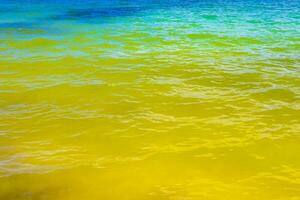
(140, 100)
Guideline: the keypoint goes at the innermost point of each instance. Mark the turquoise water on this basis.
(172, 100)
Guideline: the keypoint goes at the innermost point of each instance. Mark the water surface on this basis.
(140, 100)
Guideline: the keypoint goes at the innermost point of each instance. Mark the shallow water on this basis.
(156, 100)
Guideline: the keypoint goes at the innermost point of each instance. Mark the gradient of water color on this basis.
(140, 100)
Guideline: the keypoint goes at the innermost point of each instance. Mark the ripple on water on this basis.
(149, 100)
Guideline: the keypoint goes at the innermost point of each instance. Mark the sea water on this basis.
(149, 99)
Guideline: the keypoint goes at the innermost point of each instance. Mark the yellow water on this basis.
(129, 109)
